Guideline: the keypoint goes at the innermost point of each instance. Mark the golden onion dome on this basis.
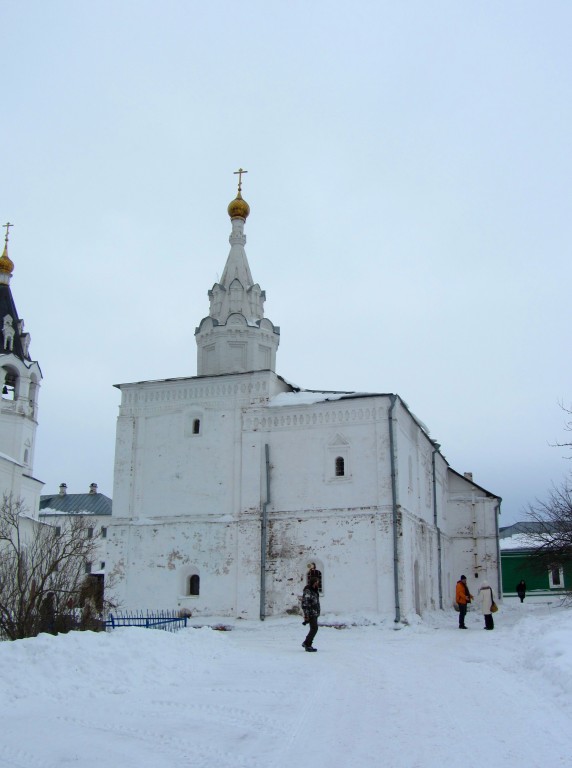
(238, 208)
(6, 263)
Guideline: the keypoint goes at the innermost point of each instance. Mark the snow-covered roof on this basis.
(522, 535)
(305, 398)
(75, 504)
(517, 541)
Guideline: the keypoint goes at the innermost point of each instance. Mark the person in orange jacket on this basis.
(463, 597)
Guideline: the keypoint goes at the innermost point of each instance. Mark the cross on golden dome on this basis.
(7, 227)
(240, 172)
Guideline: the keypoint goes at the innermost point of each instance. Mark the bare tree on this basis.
(42, 571)
(551, 532)
(567, 427)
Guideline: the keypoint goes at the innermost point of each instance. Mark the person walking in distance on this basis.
(311, 611)
(521, 590)
(463, 597)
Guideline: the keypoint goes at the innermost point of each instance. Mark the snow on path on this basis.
(428, 698)
(427, 695)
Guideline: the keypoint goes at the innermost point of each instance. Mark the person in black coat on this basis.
(311, 611)
(521, 590)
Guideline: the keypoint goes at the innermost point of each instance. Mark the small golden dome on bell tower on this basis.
(238, 208)
(6, 263)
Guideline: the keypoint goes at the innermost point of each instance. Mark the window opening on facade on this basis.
(87, 568)
(194, 585)
(9, 388)
(556, 577)
(90, 533)
(196, 426)
(103, 532)
(32, 396)
(340, 466)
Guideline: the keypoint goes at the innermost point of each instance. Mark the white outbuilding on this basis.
(230, 485)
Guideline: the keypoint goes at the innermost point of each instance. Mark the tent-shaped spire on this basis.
(236, 302)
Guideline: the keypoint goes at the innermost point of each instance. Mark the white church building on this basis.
(230, 483)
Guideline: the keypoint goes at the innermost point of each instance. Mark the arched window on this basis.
(194, 585)
(338, 454)
(32, 395)
(193, 423)
(10, 388)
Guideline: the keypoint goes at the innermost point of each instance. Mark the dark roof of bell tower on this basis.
(7, 307)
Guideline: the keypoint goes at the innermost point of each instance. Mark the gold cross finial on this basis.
(7, 226)
(240, 172)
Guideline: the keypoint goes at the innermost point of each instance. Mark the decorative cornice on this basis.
(316, 414)
(166, 396)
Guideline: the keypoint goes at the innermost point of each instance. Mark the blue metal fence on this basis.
(170, 621)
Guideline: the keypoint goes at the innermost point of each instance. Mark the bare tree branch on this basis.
(551, 534)
(43, 578)
(567, 428)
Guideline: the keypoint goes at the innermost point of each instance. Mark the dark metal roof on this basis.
(526, 527)
(7, 307)
(76, 504)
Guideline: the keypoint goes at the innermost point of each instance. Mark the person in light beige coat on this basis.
(486, 599)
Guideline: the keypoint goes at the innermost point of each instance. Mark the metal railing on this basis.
(170, 621)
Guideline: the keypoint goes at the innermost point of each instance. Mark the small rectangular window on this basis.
(87, 568)
(90, 533)
(556, 577)
(103, 532)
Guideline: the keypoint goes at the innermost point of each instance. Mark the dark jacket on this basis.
(310, 602)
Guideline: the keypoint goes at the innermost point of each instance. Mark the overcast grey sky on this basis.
(409, 182)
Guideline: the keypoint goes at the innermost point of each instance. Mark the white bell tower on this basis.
(236, 337)
(19, 385)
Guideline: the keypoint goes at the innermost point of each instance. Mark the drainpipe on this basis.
(475, 539)
(435, 523)
(499, 563)
(392, 450)
(264, 536)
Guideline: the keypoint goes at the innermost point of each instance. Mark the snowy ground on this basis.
(427, 696)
